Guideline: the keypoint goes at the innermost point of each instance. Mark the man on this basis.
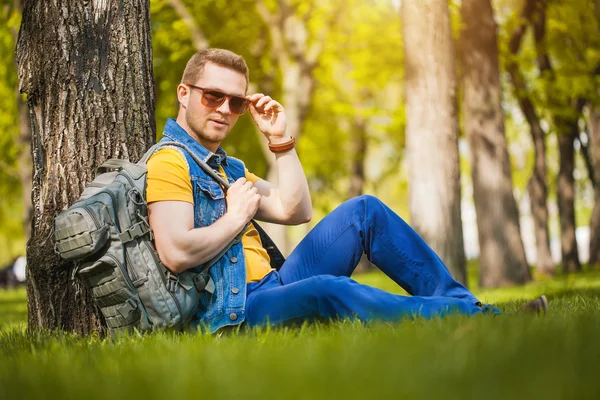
(194, 220)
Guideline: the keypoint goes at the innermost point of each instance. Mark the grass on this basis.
(510, 356)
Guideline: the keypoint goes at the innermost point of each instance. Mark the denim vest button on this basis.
(233, 316)
(235, 290)
(233, 259)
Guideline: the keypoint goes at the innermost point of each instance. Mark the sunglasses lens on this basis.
(213, 98)
(238, 105)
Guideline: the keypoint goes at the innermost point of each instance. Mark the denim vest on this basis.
(226, 305)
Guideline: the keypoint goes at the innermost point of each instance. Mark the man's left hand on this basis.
(268, 115)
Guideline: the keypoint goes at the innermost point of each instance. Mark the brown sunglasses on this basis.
(213, 98)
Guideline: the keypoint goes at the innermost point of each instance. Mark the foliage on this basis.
(11, 208)
(509, 356)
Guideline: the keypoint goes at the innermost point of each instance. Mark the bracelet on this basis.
(281, 147)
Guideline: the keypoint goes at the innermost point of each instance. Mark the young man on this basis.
(194, 220)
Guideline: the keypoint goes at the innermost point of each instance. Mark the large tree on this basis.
(86, 68)
(432, 130)
(502, 259)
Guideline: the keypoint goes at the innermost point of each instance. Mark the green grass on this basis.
(505, 357)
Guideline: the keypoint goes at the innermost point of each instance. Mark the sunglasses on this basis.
(212, 98)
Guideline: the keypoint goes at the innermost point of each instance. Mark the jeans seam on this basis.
(405, 258)
(332, 243)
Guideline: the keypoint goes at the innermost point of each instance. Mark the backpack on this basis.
(107, 234)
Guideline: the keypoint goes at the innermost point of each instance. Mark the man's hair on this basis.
(221, 57)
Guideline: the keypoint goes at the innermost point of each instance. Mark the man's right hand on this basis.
(242, 201)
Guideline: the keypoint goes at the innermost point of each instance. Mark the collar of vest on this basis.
(174, 131)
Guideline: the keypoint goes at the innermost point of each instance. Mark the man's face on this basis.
(210, 126)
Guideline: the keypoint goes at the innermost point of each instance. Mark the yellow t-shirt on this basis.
(169, 180)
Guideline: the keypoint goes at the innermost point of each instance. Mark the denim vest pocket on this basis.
(209, 200)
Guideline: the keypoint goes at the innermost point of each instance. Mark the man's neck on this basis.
(211, 146)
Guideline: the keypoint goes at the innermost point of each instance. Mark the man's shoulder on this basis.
(168, 154)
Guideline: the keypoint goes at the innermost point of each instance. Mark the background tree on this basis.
(565, 111)
(87, 72)
(537, 186)
(502, 255)
(432, 130)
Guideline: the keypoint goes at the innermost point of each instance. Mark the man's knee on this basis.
(365, 202)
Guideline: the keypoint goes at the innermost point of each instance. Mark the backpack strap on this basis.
(197, 159)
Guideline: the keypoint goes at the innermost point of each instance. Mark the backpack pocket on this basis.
(111, 291)
(80, 233)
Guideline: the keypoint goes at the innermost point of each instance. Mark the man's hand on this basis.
(242, 201)
(269, 115)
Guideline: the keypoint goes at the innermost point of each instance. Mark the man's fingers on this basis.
(263, 101)
(254, 97)
(240, 181)
(273, 107)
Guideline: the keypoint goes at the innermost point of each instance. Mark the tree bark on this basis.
(537, 187)
(432, 130)
(502, 254)
(594, 140)
(86, 69)
(25, 165)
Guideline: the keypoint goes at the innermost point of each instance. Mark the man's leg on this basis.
(365, 224)
(327, 297)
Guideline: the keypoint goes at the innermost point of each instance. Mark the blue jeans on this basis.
(314, 282)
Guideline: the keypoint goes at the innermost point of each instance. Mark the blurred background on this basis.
(341, 70)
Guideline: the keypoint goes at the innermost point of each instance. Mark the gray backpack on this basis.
(106, 233)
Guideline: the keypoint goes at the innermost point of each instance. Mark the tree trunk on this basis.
(502, 254)
(565, 189)
(432, 130)
(87, 71)
(358, 153)
(537, 187)
(594, 140)
(568, 132)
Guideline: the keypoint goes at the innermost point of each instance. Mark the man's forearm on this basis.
(293, 187)
(200, 245)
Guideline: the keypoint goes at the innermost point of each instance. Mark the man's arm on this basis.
(289, 202)
(181, 246)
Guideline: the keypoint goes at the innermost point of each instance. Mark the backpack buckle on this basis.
(172, 281)
(136, 231)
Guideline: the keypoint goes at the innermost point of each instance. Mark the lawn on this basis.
(506, 357)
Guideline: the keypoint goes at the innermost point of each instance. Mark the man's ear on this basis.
(183, 95)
